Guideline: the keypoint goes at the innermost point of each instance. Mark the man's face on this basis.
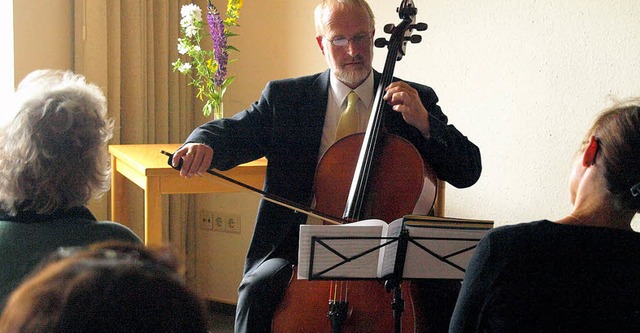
(351, 62)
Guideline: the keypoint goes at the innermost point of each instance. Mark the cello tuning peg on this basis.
(420, 26)
(388, 28)
(415, 39)
(381, 42)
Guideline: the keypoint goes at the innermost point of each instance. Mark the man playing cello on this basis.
(294, 121)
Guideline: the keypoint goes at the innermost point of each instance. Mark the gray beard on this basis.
(352, 78)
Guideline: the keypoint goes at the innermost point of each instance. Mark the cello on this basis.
(375, 174)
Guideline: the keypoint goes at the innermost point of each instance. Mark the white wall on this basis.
(523, 80)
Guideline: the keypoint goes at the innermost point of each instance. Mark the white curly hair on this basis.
(53, 152)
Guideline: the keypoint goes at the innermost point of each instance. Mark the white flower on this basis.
(185, 22)
(184, 68)
(191, 30)
(191, 14)
(197, 48)
(183, 46)
(190, 10)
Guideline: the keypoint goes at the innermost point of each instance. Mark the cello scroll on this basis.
(407, 12)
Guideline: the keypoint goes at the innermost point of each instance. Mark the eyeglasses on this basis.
(358, 40)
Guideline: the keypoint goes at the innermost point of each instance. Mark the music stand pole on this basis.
(393, 282)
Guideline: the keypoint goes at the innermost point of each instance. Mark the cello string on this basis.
(371, 141)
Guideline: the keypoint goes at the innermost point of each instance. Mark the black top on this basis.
(27, 238)
(549, 277)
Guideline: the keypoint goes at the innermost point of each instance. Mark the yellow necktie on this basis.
(349, 118)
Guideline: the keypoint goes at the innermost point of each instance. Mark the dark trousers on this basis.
(260, 293)
(433, 301)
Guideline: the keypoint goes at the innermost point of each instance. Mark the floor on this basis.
(222, 317)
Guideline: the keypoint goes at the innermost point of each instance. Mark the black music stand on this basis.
(392, 268)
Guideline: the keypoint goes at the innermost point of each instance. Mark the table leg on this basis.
(153, 212)
(118, 195)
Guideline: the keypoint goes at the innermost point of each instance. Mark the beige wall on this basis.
(43, 35)
(523, 79)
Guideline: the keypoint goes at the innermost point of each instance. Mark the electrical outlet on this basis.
(206, 220)
(232, 222)
(218, 222)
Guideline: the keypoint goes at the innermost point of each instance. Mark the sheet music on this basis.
(388, 253)
(436, 249)
(452, 264)
(323, 258)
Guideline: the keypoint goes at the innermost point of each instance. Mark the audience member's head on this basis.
(615, 135)
(53, 148)
(108, 287)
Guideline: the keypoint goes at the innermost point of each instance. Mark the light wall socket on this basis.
(220, 221)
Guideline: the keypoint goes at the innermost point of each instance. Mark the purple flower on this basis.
(216, 28)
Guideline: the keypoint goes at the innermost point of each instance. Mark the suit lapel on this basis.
(318, 94)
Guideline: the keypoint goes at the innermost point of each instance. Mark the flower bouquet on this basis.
(207, 68)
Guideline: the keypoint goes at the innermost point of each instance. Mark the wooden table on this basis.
(146, 167)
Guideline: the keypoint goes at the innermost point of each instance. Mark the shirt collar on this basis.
(364, 90)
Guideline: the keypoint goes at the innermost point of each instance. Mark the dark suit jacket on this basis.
(285, 126)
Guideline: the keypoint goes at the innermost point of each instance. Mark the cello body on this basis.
(304, 308)
(396, 180)
(397, 185)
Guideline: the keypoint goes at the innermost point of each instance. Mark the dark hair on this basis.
(617, 130)
(110, 287)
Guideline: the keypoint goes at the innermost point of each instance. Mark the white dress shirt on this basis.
(337, 102)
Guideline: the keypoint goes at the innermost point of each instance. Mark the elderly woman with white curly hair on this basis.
(53, 160)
